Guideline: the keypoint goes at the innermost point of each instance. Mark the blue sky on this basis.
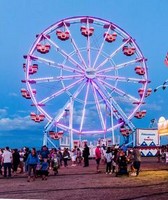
(21, 20)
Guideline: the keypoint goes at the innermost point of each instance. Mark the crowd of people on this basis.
(31, 162)
(118, 159)
(40, 163)
(161, 153)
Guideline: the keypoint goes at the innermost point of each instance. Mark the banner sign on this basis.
(148, 141)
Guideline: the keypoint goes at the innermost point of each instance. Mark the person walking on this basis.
(16, 160)
(108, 157)
(32, 162)
(97, 157)
(7, 162)
(136, 160)
(44, 153)
(66, 157)
(26, 154)
(21, 164)
(158, 154)
(74, 156)
(44, 169)
(79, 156)
(86, 154)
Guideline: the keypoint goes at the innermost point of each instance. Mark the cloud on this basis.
(18, 123)
(13, 94)
(3, 112)
(153, 107)
(122, 99)
(24, 111)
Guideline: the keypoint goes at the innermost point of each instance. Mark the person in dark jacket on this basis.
(86, 154)
(26, 154)
(44, 153)
(16, 160)
(136, 159)
(65, 157)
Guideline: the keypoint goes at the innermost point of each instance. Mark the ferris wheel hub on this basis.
(90, 73)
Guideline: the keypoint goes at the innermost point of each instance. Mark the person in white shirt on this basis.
(108, 157)
(7, 161)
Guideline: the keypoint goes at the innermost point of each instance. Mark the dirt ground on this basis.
(74, 183)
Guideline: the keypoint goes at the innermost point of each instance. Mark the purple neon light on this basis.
(119, 110)
(99, 109)
(65, 54)
(77, 70)
(119, 78)
(112, 54)
(58, 78)
(52, 63)
(76, 47)
(119, 66)
(60, 92)
(88, 47)
(100, 49)
(76, 93)
(120, 92)
(105, 98)
(84, 107)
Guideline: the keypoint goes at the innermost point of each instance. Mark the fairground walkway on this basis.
(79, 183)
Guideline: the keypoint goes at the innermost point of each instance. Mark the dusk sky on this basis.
(21, 20)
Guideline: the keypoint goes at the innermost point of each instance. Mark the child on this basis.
(114, 160)
(44, 169)
(55, 164)
(73, 157)
(108, 157)
(38, 169)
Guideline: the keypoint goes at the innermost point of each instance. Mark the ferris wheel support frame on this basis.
(71, 123)
(47, 140)
(112, 124)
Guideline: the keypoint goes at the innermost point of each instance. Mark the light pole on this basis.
(152, 123)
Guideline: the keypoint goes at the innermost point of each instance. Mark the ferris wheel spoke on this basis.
(54, 64)
(88, 48)
(99, 109)
(65, 55)
(53, 79)
(67, 105)
(76, 47)
(100, 49)
(104, 97)
(60, 92)
(84, 107)
(122, 114)
(118, 91)
(119, 78)
(119, 66)
(116, 106)
(79, 89)
(88, 52)
(112, 54)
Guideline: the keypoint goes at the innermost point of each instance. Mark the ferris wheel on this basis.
(86, 75)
